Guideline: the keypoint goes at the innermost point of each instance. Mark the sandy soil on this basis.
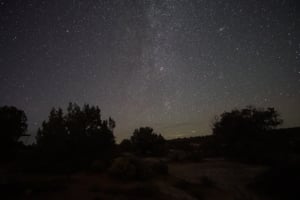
(230, 178)
(224, 180)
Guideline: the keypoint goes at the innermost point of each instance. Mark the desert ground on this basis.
(208, 179)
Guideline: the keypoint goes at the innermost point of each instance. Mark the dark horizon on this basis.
(170, 65)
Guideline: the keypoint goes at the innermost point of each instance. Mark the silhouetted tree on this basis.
(249, 120)
(13, 125)
(242, 132)
(80, 132)
(146, 142)
(87, 129)
(53, 136)
(126, 145)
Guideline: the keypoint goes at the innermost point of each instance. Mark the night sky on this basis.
(171, 65)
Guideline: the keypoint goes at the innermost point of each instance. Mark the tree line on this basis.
(80, 134)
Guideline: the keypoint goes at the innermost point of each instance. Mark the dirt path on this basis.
(230, 178)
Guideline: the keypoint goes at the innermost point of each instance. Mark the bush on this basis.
(146, 142)
(80, 132)
(124, 168)
(158, 167)
(241, 133)
(248, 121)
(132, 168)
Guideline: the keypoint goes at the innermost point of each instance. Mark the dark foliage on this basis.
(191, 148)
(159, 167)
(13, 125)
(247, 121)
(126, 145)
(52, 136)
(135, 168)
(243, 133)
(130, 168)
(79, 135)
(146, 142)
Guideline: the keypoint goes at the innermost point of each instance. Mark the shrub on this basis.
(146, 142)
(80, 132)
(123, 168)
(159, 167)
(241, 133)
(130, 168)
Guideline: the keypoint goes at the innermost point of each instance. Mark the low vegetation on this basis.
(134, 168)
(77, 146)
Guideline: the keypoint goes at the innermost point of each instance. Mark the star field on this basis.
(172, 65)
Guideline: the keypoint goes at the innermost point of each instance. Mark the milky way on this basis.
(171, 65)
